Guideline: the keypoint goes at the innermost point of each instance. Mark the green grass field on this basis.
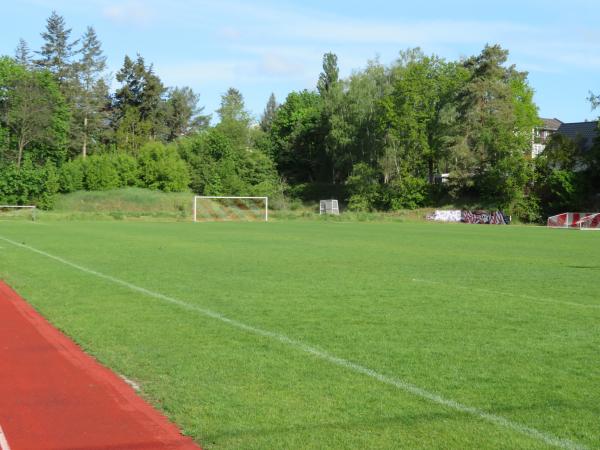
(326, 335)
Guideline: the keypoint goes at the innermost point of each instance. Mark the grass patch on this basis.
(498, 318)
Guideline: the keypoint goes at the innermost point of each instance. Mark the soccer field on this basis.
(327, 335)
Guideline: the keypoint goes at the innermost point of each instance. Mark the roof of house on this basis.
(583, 132)
(551, 124)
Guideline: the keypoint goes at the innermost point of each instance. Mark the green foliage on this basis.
(405, 193)
(182, 116)
(235, 120)
(34, 118)
(127, 167)
(29, 184)
(71, 176)
(297, 136)
(217, 167)
(100, 173)
(162, 168)
(363, 188)
(138, 105)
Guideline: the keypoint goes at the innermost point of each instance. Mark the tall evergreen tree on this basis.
(138, 104)
(23, 54)
(92, 90)
(182, 115)
(57, 50)
(269, 113)
(495, 129)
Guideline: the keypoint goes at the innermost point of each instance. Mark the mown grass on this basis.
(504, 319)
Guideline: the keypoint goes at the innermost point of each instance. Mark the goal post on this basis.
(18, 212)
(226, 208)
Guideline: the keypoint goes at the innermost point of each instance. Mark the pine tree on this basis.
(138, 106)
(182, 114)
(57, 51)
(23, 54)
(92, 88)
(269, 113)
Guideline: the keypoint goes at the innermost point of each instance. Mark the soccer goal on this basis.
(591, 222)
(219, 208)
(8, 212)
(329, 207)
(575, 220)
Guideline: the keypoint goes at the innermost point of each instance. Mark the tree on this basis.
(234, 119)
(297, 139)
(182, 114)
(138, 104)
(330, 75)
(331, 91)
(496, 118)
(23, 54)
(33, 111)
(92, 92)
(57, 51)
(269, 113)
(594, 100)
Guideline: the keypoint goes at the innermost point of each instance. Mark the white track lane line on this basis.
(3, 442)
(321, 354)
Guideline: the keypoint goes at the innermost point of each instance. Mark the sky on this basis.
(267, 46)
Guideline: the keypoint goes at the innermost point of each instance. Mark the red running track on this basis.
(55, 397)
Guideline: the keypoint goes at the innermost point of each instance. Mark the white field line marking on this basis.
(511, 294)
(357, 368)
(3, 442)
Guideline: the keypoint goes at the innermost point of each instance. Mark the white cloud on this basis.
(130, 12)
(277, 65)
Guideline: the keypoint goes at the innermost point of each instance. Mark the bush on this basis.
(70, 176)
(100, 173)
(161, 167)
(406, 193)
(128, 169)
(29, 184)
(527, 209)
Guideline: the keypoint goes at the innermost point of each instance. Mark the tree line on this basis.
(421, 131)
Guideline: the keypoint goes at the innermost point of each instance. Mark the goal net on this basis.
(217, 208)
(575, 220)
(329, 207)
(591, 222)
(17, 212)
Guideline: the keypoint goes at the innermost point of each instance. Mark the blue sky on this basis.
(277, 46)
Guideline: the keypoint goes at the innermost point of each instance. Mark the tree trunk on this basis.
(21, 146)
(84, 149)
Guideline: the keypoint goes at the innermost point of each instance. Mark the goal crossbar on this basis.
(228, 197)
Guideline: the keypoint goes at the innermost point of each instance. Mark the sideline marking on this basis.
(357, 368)
(510, 294)
(3, 442)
